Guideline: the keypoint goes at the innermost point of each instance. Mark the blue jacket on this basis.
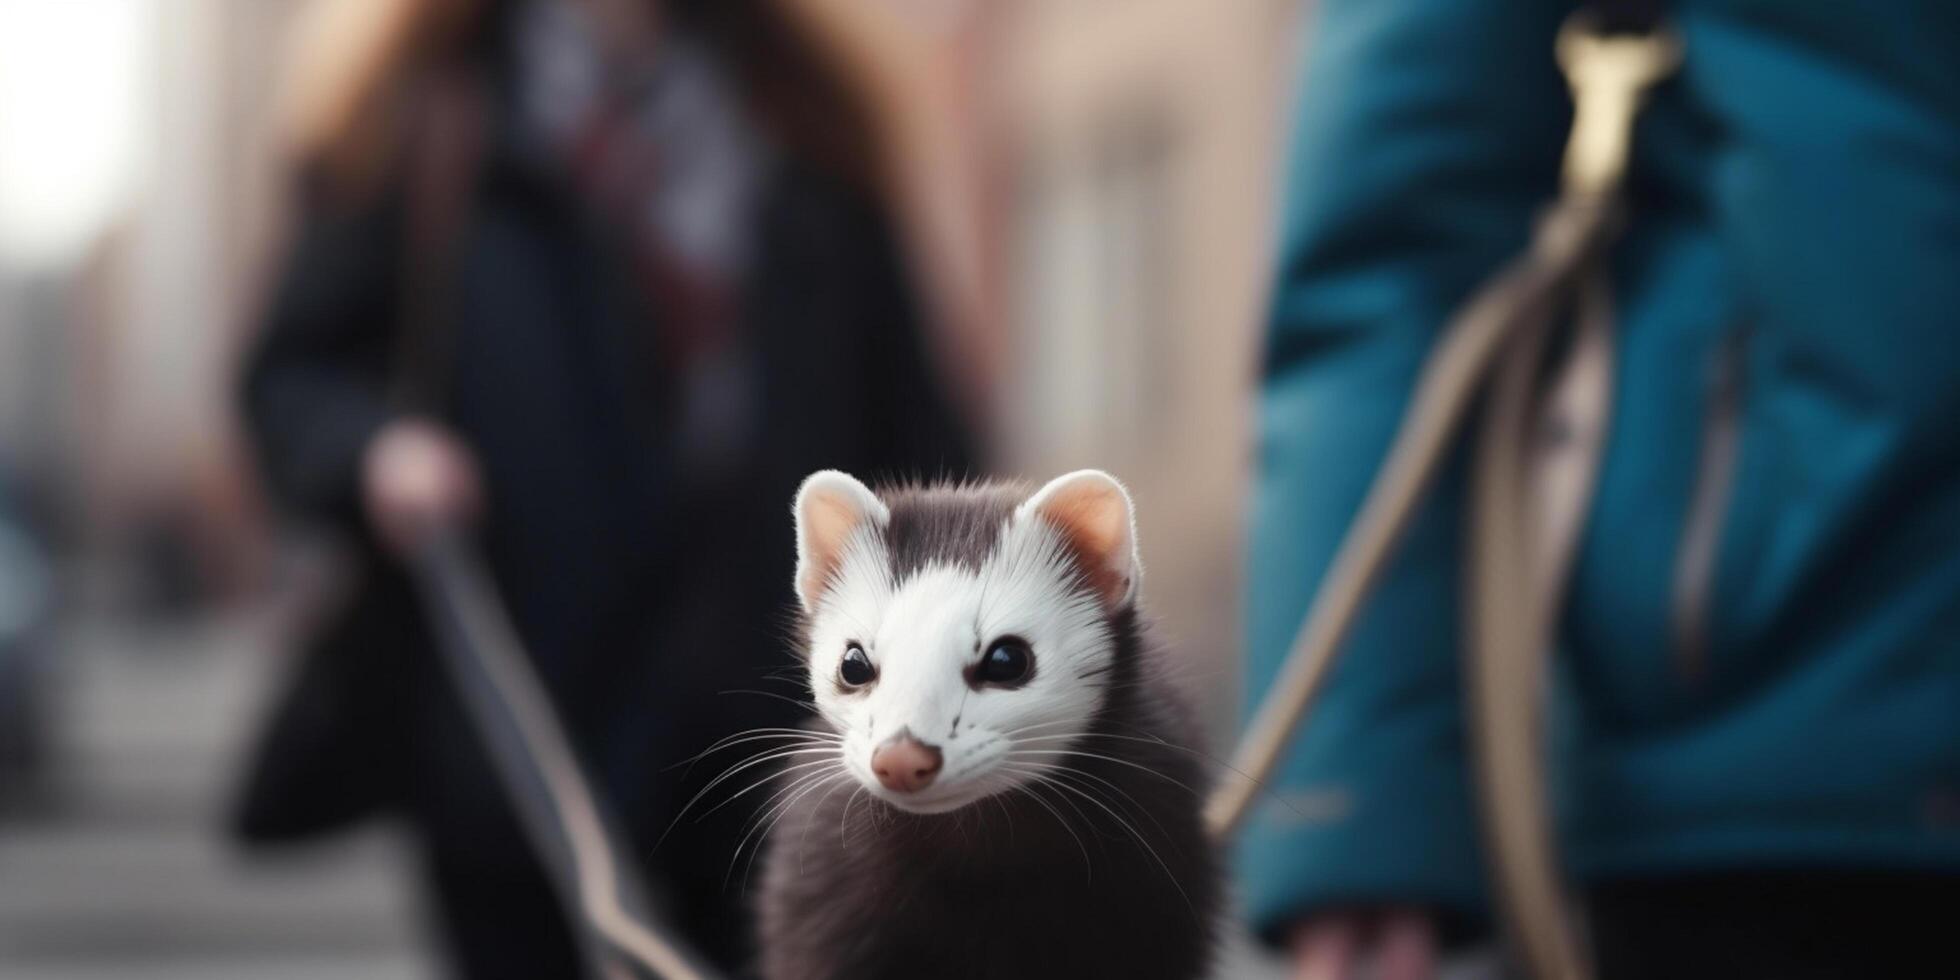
(1788, 393)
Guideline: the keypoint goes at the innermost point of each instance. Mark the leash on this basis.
(564, 818)
(1496, 347)
(1527, 505)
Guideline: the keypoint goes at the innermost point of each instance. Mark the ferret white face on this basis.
(958, 639)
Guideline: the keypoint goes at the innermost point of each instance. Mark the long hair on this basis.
(351, 64)
(356, 63)
(797, 87)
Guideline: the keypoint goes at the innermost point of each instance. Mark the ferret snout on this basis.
(904, 764)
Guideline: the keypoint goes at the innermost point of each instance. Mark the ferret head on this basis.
(960, 637)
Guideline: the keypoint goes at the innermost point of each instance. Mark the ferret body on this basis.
(1012, 790)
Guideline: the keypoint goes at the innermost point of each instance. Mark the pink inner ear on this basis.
(828, 521)
(1095, 524)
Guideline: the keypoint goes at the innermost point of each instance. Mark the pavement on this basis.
(119, 868)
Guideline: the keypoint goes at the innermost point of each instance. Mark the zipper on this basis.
(1701, 533)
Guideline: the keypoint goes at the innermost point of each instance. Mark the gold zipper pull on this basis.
(1610, 75)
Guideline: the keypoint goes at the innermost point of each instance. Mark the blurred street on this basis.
(1655, 674)
(120, 869)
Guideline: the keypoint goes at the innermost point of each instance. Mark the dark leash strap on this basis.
(568, 823)
(564, 818)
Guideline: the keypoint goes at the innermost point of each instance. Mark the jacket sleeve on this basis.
(1427, 134)
(315, 386)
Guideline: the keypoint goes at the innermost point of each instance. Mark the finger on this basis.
(1406, 948)
(466, 491)
(1325, 951)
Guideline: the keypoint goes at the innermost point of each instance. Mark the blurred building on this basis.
(136, 202)
(1128, 163)
(122, 303)
(1140, 142)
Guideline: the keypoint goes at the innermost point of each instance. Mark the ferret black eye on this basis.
(856, 670)
(1008, 662)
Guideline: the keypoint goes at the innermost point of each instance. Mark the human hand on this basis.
(1392, 944)
(417, 477)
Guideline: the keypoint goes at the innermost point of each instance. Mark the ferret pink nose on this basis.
(904, 764)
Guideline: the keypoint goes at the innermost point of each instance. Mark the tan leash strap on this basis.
(1531, 290)
(1528, 505)
(1527, 502)
(1527, 508)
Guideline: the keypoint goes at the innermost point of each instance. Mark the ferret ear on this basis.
(831, 507)
(1093, 513)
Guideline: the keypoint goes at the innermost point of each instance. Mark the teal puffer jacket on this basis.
(1759, 661)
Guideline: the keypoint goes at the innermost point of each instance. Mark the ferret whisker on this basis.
(770, 806)
(786, 739)
(1040, 778)
(1134, 832)
(1028, 790)
(767, 755)
(1061, 771)
(764, 781)
(844, 818)
(1152, 740)
(1013, 732)
(1027, 753)
(772, 730)
(1006, 815)
(820, 780)
(724, 744)
(809, 706)
(748, 734)
(1262, 787)
(775, 744)
(803, 847)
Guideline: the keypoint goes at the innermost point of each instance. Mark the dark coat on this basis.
(645, 589)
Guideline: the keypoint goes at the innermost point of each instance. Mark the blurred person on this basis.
(1756, 708)
(26, 604)
(604, 279)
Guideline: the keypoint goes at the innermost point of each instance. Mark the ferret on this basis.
(1004, 785)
